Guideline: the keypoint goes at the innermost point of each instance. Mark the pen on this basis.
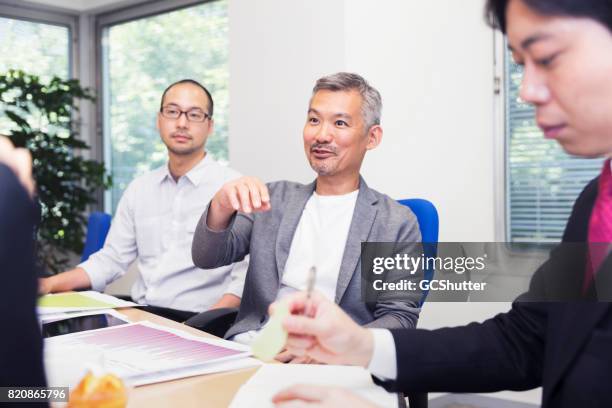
(312, 277)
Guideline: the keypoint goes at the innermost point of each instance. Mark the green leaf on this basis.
(67, 183)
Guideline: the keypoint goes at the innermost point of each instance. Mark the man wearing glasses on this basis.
(157, 216)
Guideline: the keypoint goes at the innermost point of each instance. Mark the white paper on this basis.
(193, 371)
(140, 360)
(272, 378)
(66, 365)
(53, 317)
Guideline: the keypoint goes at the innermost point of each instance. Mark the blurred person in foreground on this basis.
(21, 344)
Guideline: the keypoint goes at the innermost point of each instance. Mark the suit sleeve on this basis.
(21, 346)
(212, 249)
(502, 353)
(400, 309)
(237, 277)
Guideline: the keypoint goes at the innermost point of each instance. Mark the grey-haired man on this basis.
(288, 227)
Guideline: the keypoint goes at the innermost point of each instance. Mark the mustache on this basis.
(181, 134)
(323, 146)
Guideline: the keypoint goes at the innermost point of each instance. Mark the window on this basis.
(542, 181)
(140, 59)
(36, 48)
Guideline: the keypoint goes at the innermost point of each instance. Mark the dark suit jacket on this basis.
(564, 347)
(20, 342)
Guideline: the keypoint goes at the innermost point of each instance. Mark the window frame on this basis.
(51, 17)
(103, 22)
(500, 129)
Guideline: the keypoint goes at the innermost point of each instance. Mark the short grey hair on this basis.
(371, 105)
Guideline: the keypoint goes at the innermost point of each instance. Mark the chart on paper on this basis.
(143, 348)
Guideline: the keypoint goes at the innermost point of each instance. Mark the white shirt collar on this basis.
(195, 175)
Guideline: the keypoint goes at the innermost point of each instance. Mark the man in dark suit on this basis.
(21, 342)
(565, 347)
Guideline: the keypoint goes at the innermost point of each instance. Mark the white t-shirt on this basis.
(319, 240)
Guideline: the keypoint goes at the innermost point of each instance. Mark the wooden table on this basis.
(209, 390)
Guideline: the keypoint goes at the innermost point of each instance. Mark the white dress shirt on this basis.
(154, 224)
(384, 356)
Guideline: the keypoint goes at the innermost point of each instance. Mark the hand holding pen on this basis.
(319, 329)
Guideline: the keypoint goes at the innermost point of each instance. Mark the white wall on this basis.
(432, 61)
(433, 64)
(277, 50)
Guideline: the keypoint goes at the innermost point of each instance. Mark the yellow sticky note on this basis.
(70, 300)
(273, 336)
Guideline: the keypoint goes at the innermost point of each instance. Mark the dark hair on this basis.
(598, 10)
(193, 82)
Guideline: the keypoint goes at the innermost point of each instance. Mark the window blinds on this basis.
(542, 181)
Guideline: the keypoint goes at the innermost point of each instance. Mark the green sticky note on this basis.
(273, 336)
(71, 300)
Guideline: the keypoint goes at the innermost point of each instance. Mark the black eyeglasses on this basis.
(192, 115)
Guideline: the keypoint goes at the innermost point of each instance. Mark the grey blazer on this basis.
(267, 237)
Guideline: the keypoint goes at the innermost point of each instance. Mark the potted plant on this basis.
(42, 118)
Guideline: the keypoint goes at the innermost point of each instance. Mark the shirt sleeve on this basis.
(237, 277)
(384, 357)
(119, 250)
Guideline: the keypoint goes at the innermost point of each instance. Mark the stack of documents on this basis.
(143, 353)
(54, 317)
(272, 378)
(78, 302)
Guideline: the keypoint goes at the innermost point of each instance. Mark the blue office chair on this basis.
(97, 228)
(427, 216)
(429, 224)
